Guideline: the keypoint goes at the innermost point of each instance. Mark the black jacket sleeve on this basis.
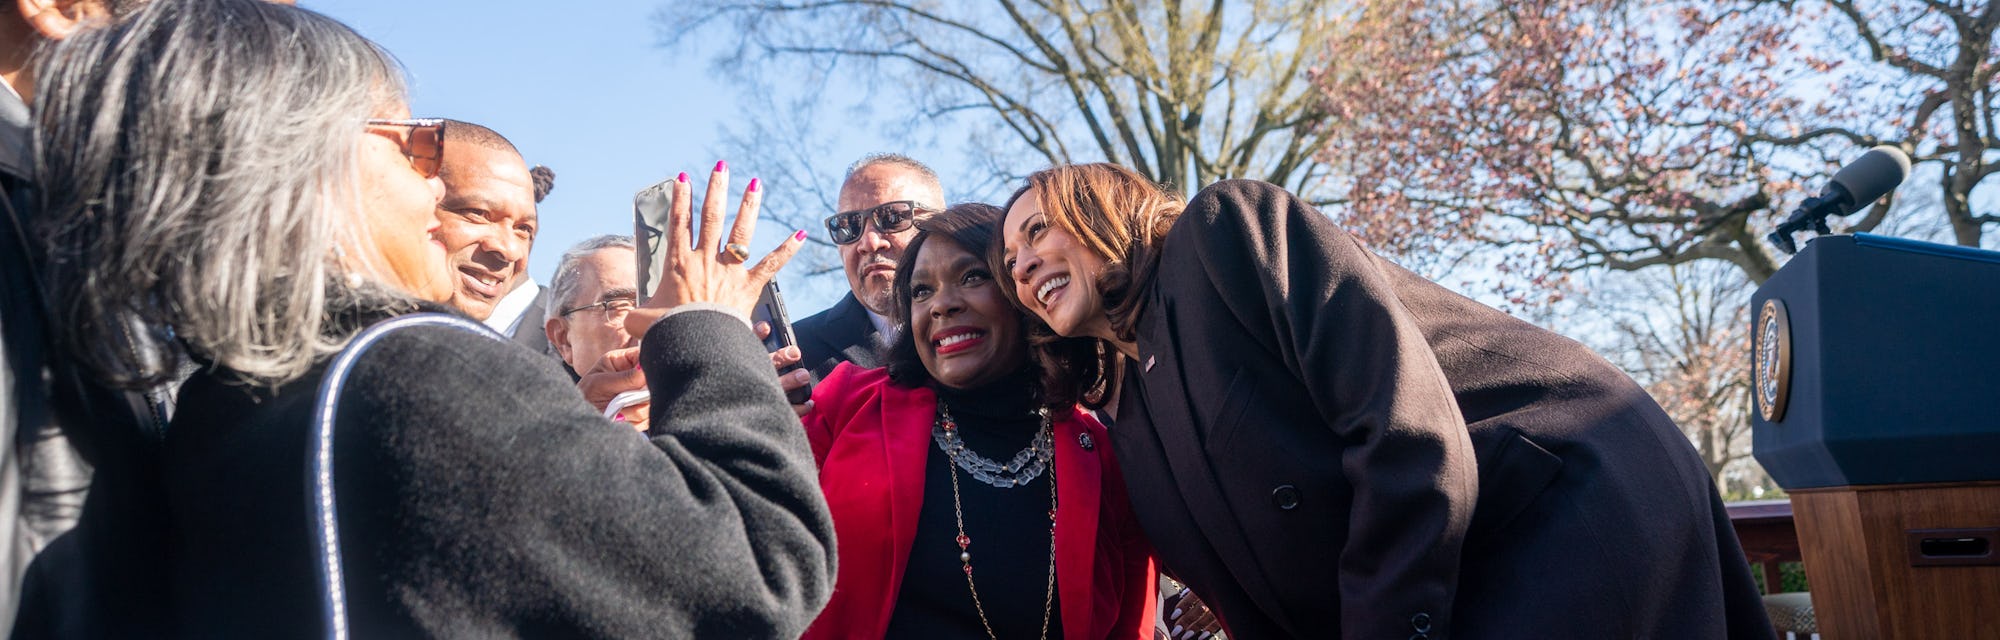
(496, 502)
(1319, 302)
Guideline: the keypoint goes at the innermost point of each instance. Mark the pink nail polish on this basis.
(721, 166)
(683, 177)
(801, 235)
(753, 184)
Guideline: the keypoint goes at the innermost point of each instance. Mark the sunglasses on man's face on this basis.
(846, 227)
(422, 142)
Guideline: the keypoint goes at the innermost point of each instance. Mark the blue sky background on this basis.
(584, 89)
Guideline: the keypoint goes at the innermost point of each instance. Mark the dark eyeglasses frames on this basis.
(423, 142)
(616, 307)
(846, 227)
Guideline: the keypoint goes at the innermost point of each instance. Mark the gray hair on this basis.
(930, 178)
(199, 171)
(569, 271)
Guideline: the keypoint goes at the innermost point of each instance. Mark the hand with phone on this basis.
(700, 265)
(774, 326)
(792, 376)
(654, 211)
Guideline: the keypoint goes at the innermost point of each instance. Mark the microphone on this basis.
(1854, 187)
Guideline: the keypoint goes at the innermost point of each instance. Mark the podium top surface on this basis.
(1927, 248)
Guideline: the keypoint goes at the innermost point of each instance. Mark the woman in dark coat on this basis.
(893, 476)
(247, 175)
(1318, 440)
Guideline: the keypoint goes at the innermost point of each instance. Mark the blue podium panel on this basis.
(1874, 363)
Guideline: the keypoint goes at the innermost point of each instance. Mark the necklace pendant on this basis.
(964, 541)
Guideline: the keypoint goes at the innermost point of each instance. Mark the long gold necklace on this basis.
(1042, 451)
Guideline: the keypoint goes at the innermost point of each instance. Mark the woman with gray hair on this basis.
(247, 176)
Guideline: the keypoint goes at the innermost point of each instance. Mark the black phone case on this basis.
(771, 309)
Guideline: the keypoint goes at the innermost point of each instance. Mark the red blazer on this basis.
(872, 439)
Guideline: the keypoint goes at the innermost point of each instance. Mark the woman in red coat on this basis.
(963, 506)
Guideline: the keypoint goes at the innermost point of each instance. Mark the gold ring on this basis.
(734, 253)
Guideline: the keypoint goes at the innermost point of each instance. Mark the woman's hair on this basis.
(199, 171)
(1121, 216)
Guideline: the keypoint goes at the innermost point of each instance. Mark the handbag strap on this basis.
(319, 457)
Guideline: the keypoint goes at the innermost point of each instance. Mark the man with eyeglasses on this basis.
(882, 194)
(595, 286)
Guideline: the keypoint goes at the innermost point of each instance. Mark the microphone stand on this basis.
(1811, 214)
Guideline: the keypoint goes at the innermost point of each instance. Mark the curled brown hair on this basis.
(1121, 216)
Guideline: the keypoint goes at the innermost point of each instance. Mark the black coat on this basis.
(1321, 443)
(841, 333)
(480, 496)
(117, 432)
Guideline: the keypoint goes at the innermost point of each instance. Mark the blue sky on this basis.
(585, 91)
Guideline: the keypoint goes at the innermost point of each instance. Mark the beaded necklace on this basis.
(1024, 468)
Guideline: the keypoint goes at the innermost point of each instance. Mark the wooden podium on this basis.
(1886, 561)
(1876, 362)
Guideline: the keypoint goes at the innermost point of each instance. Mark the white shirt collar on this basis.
(885, 329)
(507, 315)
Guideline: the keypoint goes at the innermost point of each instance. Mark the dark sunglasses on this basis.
(423, 142)
(889, 217)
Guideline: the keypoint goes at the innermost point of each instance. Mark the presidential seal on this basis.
(1772, 369)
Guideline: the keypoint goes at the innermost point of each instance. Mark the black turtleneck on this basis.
(1009, 528)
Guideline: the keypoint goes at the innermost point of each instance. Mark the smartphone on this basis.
(649, 231)
(771, 308)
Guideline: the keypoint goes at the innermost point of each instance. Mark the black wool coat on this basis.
(841, 333)
(480, 496)
(1323, 445)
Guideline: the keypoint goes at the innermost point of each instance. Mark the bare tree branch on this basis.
(1155, 86)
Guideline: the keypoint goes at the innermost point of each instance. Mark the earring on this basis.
(354, 280)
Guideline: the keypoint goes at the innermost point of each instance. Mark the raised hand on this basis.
(700, 266)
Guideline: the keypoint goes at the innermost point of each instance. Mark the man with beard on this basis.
(882, 194)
